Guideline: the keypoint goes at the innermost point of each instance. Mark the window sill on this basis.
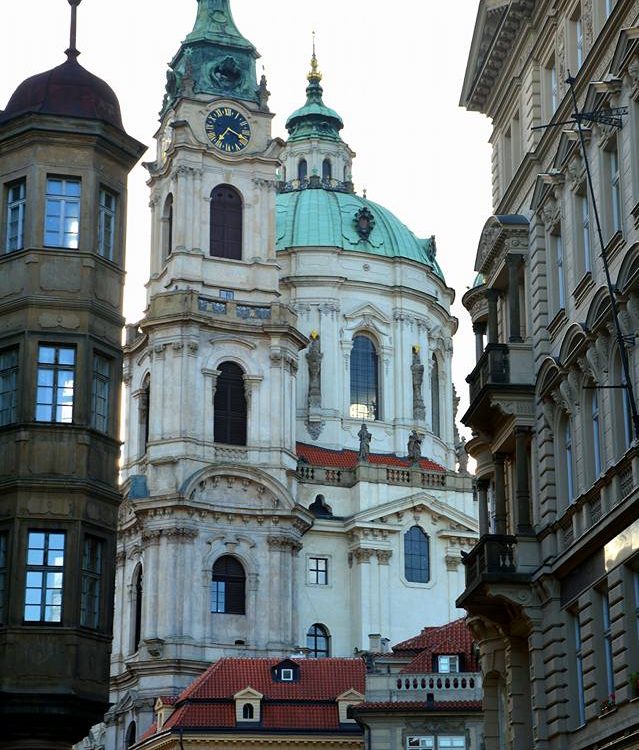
(614, 245)
(555, 325)
(583, 287)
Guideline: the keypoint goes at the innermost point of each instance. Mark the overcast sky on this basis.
(393, 71)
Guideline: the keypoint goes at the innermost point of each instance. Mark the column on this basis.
(514, 262)
(479, 329)
(481, 487)
(500, 493)
(522, 488)
(492, 295)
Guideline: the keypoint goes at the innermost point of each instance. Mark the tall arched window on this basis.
(228, 589)
(327, 170)
(136, 613)
(434, 397)
(167, 227)
(416, 555)
(364, 380)
(130, 736)
(226, 223)
(318, 642)
(302, 170)
(230, 406)
(144, 412)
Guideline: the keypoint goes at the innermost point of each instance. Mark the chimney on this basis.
(375, 643)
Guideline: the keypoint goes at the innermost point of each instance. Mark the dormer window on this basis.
(286, 671)
(447, 663)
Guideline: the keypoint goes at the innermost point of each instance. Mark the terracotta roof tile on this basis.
(302, 716)
(347, 459)
(149, 732)
(217, 715)
(452, 638)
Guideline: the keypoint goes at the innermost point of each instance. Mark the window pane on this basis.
(416, 556)
(44, 577)
(56, 378)
(364, 380)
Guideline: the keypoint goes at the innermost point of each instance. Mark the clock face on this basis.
(228, 130)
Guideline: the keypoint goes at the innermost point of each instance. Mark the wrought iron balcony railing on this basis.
(492, 369)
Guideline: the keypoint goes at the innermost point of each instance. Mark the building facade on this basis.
(290, 466)
(552, 588)
(64, 162)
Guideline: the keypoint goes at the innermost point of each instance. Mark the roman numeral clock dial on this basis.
(227, 130)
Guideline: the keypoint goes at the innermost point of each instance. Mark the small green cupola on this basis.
(314, 119)
(214, 59)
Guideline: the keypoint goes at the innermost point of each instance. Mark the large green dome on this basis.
(328, 218)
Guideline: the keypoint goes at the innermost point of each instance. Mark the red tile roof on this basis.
(309, 704)
(452, 638)
(149, 732)
(347, 459)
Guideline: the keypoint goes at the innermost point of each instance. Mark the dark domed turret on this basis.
(68, 90)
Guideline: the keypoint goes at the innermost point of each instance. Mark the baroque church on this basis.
(293, 478)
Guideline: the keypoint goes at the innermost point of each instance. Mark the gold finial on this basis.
(315, 74)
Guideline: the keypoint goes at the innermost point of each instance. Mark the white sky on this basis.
(393, 71)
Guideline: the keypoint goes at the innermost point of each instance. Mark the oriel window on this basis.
(8, 386)
(45, 577)
(364, 380)
(226, 223)
(16, 208)
(55, 384)
(62, 213)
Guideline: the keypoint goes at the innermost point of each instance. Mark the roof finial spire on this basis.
(315, 74)
(72, 52)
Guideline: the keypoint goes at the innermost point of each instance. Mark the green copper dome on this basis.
(328, 218)
(314, 119)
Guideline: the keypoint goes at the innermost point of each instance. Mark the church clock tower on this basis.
(210, 528)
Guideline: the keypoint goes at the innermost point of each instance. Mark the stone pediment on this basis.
(237, 488)
(248, 693)
(392, 514)
(368, 315)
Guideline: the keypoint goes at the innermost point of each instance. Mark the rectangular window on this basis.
(558, 278)
(16, 206)
(45, 570)
(8, 386)
(3, 576)
(447, 743)
(447, 664)
(287, 675)
(62, 213)
(100, 393)
(615, 191)
(585, 232)
(318, 571)
(420, 743)
(550, 89)
(607, 633)
(106, 224)
(92, 555)
(55, 387)
(579, 668)
(218, 596)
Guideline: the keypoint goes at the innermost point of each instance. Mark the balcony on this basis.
(453, 686)
(492, 369)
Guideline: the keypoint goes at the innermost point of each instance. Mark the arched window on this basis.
(327, 170)
(302, 170)
(229, 587)
(230, 406)
(226, 223)
(167, 227)
(136, 614)
(434, 397)
(247, 711)
(318, 642)
(416, 555)
(130, 736)
(364, 380)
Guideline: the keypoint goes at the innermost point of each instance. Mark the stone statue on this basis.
(364, 443)
(263, 94)
(456, 401)
(462, 456)
(314, 359)
(414, 447)
(417, 368)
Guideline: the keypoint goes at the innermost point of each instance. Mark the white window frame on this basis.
(448, 664)
(61, 404)
(451, 742)
(16, 210)
(68, 204)
(107, 212)
(287, 675)
(420, 742)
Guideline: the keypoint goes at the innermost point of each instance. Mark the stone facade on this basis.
(552, 589)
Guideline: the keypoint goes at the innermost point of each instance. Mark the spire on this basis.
(72, 53)
(314, 119)
(214, 59)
